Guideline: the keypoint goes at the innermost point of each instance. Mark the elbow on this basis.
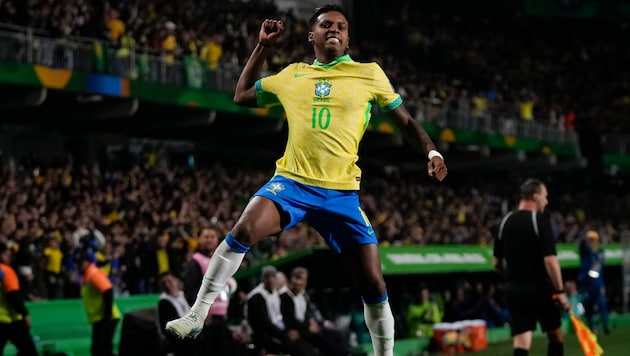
(238, 98)
(242, 100)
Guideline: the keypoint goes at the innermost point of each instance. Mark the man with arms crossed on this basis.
(525, 251)
(328, 105)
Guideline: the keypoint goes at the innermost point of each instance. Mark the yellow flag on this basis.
(586, 338)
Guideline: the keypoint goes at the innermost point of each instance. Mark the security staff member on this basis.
(98, 299)
(15, 322)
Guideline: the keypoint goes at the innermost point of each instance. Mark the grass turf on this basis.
(614, 344)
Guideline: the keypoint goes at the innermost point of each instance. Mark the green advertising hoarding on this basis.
(448, 259)
(409, 260)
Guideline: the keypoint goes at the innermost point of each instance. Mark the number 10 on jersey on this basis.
(320, 118)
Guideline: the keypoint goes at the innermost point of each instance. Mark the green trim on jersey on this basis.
(344, 58)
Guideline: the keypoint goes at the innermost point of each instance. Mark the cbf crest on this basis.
(322, 88)
(275, 188)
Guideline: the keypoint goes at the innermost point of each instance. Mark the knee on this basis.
(243, 232)
(374, 290)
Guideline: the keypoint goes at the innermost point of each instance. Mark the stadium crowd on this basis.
(523, 68)
(126, 217)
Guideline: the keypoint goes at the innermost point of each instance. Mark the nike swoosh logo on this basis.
(297, 75)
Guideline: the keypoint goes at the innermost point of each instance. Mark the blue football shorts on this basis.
(335, 214)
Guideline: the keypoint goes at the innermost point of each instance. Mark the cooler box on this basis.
(447, 337)
(461, 336)
(477, 332)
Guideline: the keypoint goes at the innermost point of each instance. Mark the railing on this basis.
(89, 55)
(491, 122)
(26, 45)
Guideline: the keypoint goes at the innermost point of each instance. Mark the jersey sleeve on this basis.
(498, 238)
(498, 247)
(384, 94)
(267, 88)
(547, 243)
(10, 283)
(100, 281)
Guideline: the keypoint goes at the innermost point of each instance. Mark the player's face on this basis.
(330, 34)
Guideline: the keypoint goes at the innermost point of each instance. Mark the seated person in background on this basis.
(460, 306)
(265, 319)
(173, 305)
(422, 314)
(299, 313)
(491, 311)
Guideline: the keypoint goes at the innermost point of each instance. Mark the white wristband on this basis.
(434, 153)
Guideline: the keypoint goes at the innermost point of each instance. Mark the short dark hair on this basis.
(298, 271)
(324, 9)
(530, 187)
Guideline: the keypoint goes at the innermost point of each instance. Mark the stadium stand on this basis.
(504, 92)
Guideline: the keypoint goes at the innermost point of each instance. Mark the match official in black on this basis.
(525, 252)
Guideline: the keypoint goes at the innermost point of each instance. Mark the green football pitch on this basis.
(617, 343)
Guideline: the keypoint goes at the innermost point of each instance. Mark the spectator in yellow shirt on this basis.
(115, 25)
(53, 257)
(213, 51)
(169, 43)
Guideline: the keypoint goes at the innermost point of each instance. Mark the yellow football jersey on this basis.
(328, 108)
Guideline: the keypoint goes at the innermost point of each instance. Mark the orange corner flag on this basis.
(586, 338)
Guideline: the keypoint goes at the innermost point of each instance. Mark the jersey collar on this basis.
(344, 58)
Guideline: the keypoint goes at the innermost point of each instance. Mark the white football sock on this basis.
(223, 264)
(380, 322)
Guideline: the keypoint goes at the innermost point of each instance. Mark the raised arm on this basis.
(419, 139)
(245, 93)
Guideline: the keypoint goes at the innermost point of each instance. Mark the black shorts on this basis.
(529, 304)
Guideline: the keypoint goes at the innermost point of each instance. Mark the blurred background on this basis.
(118, 132)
